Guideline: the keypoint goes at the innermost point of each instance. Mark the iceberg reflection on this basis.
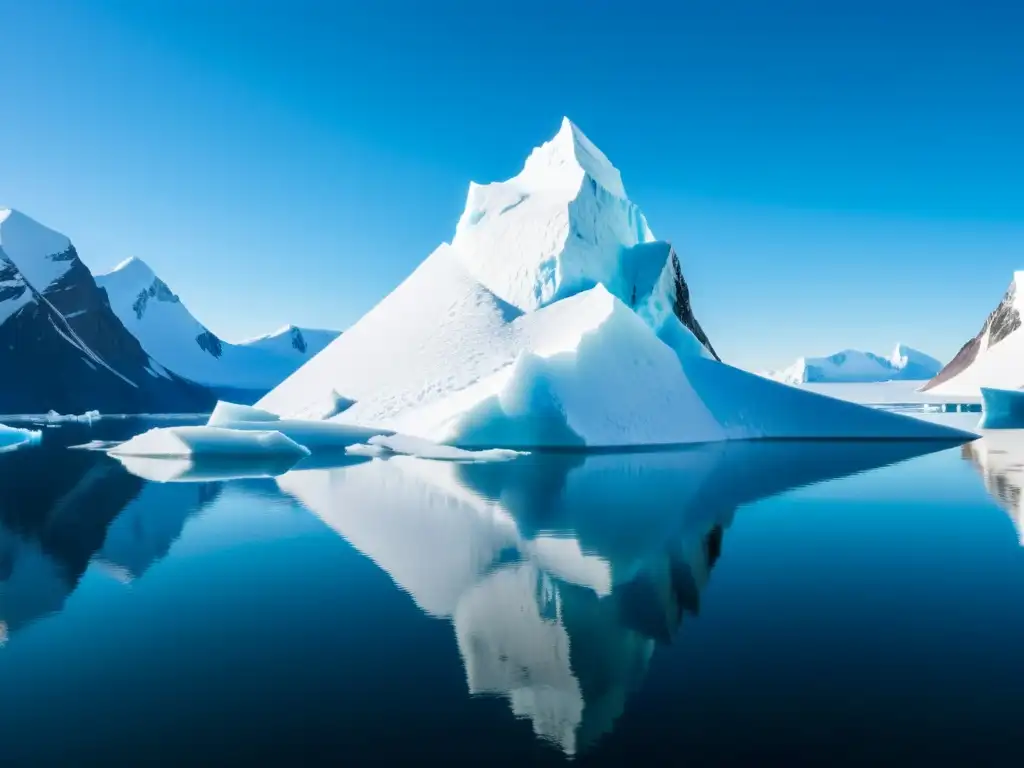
(561, 573)
(999, 458)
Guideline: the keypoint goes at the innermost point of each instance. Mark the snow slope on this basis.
(993, 358)
(168, 331)
(555, 318)
(854, 366)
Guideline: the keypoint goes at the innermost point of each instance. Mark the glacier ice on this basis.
(555, 318)
(12, 438)
(184, 442)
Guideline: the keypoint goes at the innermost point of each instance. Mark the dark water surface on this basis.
(814, 603)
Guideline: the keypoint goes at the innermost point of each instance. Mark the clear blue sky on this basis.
(833, 173)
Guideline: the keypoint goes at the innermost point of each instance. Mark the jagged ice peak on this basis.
(566, 158)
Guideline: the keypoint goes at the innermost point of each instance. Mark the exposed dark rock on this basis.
(210, 343)
(12, 286)
(298, 341)
(683, 309)
(157, 291)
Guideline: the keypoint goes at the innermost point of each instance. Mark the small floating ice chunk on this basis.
(185, 442)
(1002, 408)
(12, 438)
(370, 451)
(425, 449)
(96, 445)
(225, 413)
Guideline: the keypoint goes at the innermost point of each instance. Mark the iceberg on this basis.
(554, 319)
(1002, 408)
(855, 366)
(185, 442)
(12, 438)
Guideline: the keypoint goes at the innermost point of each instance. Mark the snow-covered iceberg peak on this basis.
(566, 159)
(559, 227)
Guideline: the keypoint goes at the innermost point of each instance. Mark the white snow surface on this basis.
(184, 442)
(548, 322)
(854, 366)
(998, 365)
(172, 336)
(33, 248)
(12, 438)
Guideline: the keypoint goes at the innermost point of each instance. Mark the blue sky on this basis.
(841, 174)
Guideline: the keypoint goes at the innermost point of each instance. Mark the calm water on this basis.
(714, 606)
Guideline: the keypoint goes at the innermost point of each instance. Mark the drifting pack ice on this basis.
(556, 318)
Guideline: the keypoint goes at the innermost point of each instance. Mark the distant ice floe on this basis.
(52, 417)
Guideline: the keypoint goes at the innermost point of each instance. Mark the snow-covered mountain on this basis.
(156, 316)
(851, 365)
(993, 358)
(61, 345)
(556, 318)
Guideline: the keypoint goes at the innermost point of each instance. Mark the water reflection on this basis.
(62, 510)
(999, 458)
(561, 574)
